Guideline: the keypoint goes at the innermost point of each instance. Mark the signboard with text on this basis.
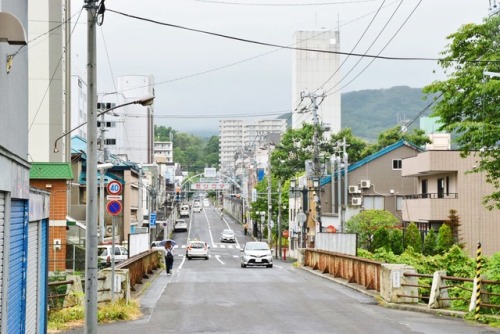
(210, 186)
(210, 172)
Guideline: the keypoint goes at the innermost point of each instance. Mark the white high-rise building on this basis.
(129, 129)
(240, 137)
(316, 72)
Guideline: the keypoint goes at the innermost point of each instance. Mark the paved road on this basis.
(217, 296)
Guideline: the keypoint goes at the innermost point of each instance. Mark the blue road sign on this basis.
(152, 219)
(114, 208)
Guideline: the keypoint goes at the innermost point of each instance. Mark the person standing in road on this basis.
(169, 256)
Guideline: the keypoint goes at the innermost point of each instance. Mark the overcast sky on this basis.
(206, 78)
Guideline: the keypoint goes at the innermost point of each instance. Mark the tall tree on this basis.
(393, 135)
(468, 100)
(355, 144)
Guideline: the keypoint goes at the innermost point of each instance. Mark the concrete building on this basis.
(443, 184)
(316, 71)
(24, 211)
(49, 116)
(240, 137)
(129, 135)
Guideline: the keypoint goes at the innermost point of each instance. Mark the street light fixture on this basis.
(144, 101)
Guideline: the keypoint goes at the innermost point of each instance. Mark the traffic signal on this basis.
(177, 193)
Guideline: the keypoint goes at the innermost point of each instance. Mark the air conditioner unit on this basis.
(365, 184)
(356, 201)
(109, 231)
(354, 190)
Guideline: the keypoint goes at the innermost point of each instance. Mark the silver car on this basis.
(227, 235)
(256, 253)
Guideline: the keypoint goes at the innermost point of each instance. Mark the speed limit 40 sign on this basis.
(114, 188)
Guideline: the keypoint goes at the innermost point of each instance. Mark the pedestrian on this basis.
(245, 227)
(169, 256)
(221, 213)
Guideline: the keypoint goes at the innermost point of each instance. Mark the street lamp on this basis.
(144, 101)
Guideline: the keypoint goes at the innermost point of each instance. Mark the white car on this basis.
(196, 248)
(104, 254)
(206, 202)
(256, 253)
(227, 236)
(197, 208)
(180, 225)
(184, 211)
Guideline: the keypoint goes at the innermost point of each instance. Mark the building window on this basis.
(440, 188)
(399, 203)
(373, 202)
(397, 164)
(110, 141)
(424, 189)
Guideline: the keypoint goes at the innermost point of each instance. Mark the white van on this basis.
(184, 211)
(197, 207)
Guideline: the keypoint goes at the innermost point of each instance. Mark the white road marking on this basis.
(217, 257)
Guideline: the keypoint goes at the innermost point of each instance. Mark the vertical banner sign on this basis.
(152, 220)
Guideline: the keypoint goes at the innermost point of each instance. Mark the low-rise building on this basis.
(444, 184)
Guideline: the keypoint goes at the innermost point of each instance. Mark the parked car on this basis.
(196, 248)
(180, 225)
(227, 235)
(184, 211)
(256, 253)
(104, 254)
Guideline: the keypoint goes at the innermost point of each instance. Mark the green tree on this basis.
(413, 238)
(381, 239)
(444, 239)
(397, 241)
(467, 101)
(393, 135)
(430, 243)
(296, 146)
(355, 144)
(367, 222)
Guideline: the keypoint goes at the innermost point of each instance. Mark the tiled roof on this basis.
(327, 179)
(51, 171)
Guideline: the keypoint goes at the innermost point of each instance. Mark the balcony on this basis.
(429, 207)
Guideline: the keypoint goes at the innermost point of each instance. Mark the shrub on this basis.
(430, 243)
(444, 239)
(412, 238)
(396, 237)
(381, 239)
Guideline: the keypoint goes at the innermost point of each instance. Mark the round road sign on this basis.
(114, 208)
(114, 188)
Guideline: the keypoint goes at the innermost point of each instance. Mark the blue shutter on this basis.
(44, 271)
(16, 291)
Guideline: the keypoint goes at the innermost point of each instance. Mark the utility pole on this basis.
(279, 220)
(316, 163)
(91, 208)
(269, 189)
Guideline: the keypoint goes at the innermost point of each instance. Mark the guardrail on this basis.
(401, 284)
(140, 266)
(351, 268)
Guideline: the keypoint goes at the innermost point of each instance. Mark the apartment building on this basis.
(443, 184)
(241, 138)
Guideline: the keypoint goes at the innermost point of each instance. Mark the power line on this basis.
(284, 4)
(284, 46)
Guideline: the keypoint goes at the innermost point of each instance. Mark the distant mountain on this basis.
(369, 112)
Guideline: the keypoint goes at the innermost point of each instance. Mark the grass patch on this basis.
(67, 318)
